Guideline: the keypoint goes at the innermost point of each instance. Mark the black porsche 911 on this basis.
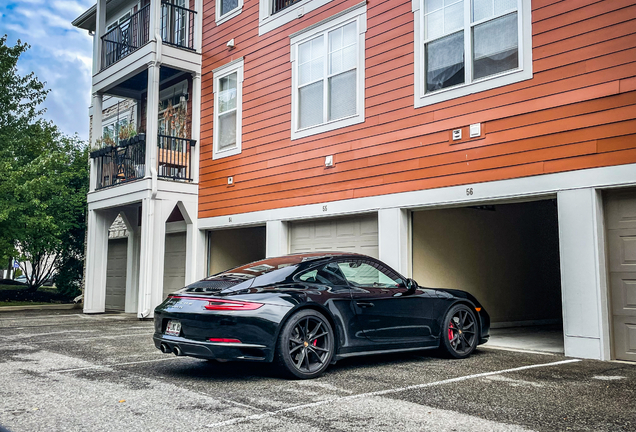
(306, 311)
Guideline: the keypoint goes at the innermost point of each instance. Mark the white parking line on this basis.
(113, 365)
(384, 392)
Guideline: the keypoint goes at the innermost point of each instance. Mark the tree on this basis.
(43, 181)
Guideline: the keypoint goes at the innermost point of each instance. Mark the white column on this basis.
(393, 239)
(276, 240)
(194, 258)
(96, 261)
(100, 28)
(151, 258)
(585, 321)
(196, 124)
(95, 135)
(201, 254)
(152, 114)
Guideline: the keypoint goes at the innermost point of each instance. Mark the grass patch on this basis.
(21, 303)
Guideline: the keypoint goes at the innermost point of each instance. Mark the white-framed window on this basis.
(467, 46)
(328, 74)
(111, 128)
(228, 103)
(227, 9)
(275, 13)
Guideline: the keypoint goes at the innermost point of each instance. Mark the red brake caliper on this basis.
(315, 342)
(450, 332)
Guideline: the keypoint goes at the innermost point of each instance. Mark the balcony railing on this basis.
(175, 157)
(177, 25)
(279, 5)
(120, 164)
(127, 161)
(177, 29)
(126, 38)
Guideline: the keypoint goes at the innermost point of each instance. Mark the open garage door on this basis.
(116, 275)
(174, 263)
(348, 234)
(507, 255)
(234, 247)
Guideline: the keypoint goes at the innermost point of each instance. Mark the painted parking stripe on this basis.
(384, 392)
(113, 365)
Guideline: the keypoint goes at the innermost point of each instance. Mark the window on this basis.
(228, 83)
(110, 130)
(275, 13)
(369, 274)
(328, 74)
(328, 274)
(227, 9)
(467, 46)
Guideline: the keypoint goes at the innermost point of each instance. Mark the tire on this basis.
(459, 332)
(305, 345)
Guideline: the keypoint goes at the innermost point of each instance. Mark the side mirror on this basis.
(411, 286)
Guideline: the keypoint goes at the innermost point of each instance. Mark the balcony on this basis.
(174, 158)
(279, 5)
(177, 29)
(127, 161)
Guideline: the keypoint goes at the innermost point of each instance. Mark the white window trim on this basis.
(228, 15)
(268, 22)
(524, 72)
(356, 13)
(218, 73)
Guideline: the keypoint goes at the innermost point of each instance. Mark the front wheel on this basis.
(305, 345)
(459, 332)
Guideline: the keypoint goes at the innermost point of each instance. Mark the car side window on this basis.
(328, 274)
(369, 274)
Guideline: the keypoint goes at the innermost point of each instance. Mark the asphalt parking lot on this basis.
(65, 371)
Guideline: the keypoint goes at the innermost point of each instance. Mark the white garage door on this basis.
(351, 234)
(621, 240)
(174, 263)
(116, 275)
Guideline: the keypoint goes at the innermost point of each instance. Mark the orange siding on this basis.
(578, 111)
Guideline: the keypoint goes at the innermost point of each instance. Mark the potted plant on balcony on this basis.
(126, 134)
(102, 146)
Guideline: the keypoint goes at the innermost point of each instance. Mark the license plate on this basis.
(173, 328)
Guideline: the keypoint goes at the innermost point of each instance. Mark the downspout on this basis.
(153, 170)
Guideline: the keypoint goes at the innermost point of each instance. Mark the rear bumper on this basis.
(212, 350)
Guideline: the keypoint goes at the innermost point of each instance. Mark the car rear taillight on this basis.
(232, 305)
(224, 340)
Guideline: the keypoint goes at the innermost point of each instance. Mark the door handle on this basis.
(363, 304)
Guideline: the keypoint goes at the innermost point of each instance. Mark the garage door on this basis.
(116, 275)
(174, 263)
(351, 234)
(621, 241)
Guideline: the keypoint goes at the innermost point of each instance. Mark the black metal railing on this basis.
(126, 37)
(121, 164)
(175, 157)
(279, 5)
(177, 25)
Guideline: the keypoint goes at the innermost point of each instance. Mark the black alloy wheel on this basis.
(459, 333)
(305, 345)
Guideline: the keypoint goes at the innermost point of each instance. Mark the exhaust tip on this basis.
(165, 348)
(177, 351)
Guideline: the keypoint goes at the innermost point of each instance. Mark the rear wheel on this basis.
(459, 332)
(305, 345)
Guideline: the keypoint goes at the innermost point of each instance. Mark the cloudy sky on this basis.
(60, 55)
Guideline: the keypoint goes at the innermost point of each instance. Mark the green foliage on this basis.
(43, 181)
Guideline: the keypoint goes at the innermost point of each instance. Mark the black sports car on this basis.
(306, 311)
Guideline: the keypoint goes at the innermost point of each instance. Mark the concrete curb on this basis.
(65, 306)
